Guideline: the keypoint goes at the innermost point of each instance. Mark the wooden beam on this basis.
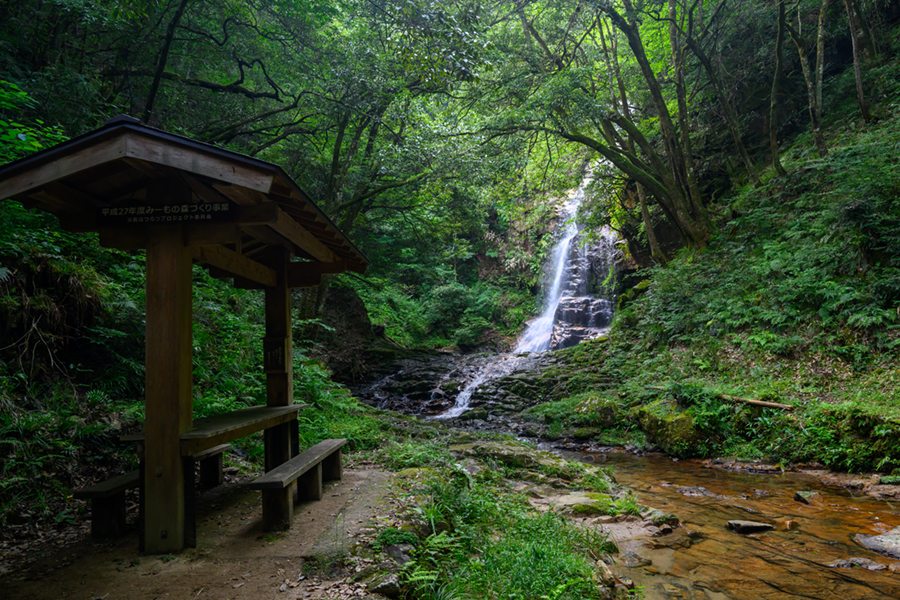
(168, 389)
(149, 169)
(234, 263)
(260, 214)
(305, 240)
(203, 191)
(124, 239)
(309, 274)
(68, 195)
(64, 166)
(44, 201)
(278, 366)
(242, 196)
(269, 237)
(196, 161)
(212, 234)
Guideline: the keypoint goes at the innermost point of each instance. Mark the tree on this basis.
(813, 82)
(773, 96)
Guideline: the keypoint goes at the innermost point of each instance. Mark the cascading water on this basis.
(578, 306)
(572, 311)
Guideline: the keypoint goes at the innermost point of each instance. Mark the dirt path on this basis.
(234, 559)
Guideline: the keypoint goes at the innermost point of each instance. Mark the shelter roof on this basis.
(125, 176)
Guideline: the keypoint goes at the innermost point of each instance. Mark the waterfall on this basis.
(578, 304)
(573, 312)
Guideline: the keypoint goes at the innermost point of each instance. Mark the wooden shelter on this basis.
(187, 202)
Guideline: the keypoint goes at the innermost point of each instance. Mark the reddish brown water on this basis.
(704, 560)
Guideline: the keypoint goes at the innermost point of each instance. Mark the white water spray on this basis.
(536, 337)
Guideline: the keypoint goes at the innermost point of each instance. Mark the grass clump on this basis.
(391, 535)
(487, 534)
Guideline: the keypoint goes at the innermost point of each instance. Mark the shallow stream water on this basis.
(705, 560)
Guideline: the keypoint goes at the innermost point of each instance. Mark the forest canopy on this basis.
(440, 134)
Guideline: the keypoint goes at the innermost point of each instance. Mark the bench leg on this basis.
(211, 473)
(108, 516)
(295, 450)
(331, 466)
(190, 503)
(142, 500)
(309, 485)
(278, 508)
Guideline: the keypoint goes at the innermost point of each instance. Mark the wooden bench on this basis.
(207, 433)
(309, 469)
(108, 504)
(108, 497)
(211, 473)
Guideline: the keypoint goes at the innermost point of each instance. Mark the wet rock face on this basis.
(886, 543)
(578, 319)
(749, 526)
(429, 385)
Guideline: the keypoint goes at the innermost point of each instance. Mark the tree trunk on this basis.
(655, 251)
(813, 80)
(853, 18)
(695, 226)
(773, 96)
(163, 59)
(730, 116)
(687, 149)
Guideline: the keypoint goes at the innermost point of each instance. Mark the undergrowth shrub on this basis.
(812, 254)
(494, 534)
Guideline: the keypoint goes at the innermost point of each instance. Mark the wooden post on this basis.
(310, 484)
(168, 388)
(278, 505)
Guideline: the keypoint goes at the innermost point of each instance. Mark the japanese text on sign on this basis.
(175, 213)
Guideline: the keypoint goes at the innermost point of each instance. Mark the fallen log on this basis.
(739, 399)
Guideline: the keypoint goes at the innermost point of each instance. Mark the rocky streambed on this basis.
(496, 386)
(811, 540)
(738, 531)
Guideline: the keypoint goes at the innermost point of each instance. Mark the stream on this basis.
(703, 559)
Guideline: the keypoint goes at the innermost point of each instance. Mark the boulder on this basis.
(746, 527)
(402, 553)
(389, 586)
(696, 491)
(886, 543)
(807, 497)
(841, 564)
(632, 560)
(602, 575)
(674, 432)
(658, 518)
(858, 561)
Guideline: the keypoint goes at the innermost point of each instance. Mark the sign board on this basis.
(275, 351)
(205, 212)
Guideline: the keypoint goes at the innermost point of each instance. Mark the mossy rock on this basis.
(633, 294)
(593, 509)
(890, 480)
(603, 412)
(475, 413)
(600, 504)
(519, 456)
(674, 432)
(587, 433)
(416, 473)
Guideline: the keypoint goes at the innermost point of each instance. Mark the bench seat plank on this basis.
(307, 469)
(210, 452)
(283, 475)
(110, 487)
(227, 427)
